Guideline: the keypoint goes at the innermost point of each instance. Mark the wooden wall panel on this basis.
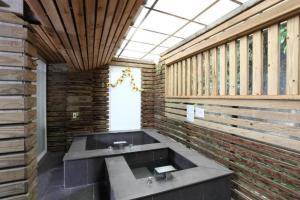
(148, 82)
(293, 60)
(17, 110)
(273, 60)
(87, 93)
(72, 92)
(261, 169)
(255, 135)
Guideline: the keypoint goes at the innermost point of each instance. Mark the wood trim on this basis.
(273, 60)
(293, 58)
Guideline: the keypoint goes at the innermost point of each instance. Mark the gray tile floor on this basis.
(51, 182)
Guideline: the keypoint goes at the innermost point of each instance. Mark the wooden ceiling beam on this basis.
(101, 9)
(85, 33)
(78, 12)
(90, 12)
(107, 25)
(66, 14)
(128, 9)
(44, 37)
(52, 12)
(136, 9)
(37, 8)
(119, 12)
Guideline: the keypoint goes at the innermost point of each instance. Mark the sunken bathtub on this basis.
(144, 165)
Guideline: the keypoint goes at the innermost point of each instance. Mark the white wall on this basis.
(41, 108)
(124, 104)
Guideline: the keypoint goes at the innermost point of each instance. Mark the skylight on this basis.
(164, 23)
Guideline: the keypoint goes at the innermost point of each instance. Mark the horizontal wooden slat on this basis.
(274, 104)
(17, 75)
(15, 59)
(17, 89)
(11, 117)
(14, 188)
(14, 145)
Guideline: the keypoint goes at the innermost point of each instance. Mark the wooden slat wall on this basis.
(56, 106)
(255, 134)
(68, 92)
(86, 33)
(18, 174)
(262, 169)
(148, 75)
(87, 93)
(100, 99)
(234, 62)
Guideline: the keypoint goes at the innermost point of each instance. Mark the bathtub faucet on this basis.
(120, 144)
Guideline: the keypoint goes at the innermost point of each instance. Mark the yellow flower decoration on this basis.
(126, 73)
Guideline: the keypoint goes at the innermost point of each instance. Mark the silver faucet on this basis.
(120, 144)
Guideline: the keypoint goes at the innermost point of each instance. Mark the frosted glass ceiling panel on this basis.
(150, 3)
(137, 46)
(132, 54)
(189, 29)
(118, 52)
(159, 50)
(171, 42)
(130, 33)
(163, 23)
(123, 44)
(149, 32)
(152, 57)
(217, 11)
(183, 8)
(148, 37)
(141, 17)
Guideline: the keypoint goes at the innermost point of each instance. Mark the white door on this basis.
(124, 103)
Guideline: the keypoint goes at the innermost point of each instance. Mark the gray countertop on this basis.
(124, 184)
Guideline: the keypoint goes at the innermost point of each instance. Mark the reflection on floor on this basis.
(51, 182)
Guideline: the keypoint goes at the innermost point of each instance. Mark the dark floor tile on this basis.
(43, 183)
(56, 193)
(75, 173)
(82, 193)
(96, 170)
(50, 160)
(57, 177)
(101, 192)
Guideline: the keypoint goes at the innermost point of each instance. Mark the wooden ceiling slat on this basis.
(90, 26)
(125, 16)
(133, 14)
(66, 14)
(52, 12)
(101, 8)
(107, 24)
(40, 32)
(78, 12)
(115, 25)
(37, 8)
(85, 33)
(45, 51)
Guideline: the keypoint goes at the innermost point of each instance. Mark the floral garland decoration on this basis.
(126, 73)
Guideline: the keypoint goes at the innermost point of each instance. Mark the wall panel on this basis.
(255, 134)
(18, 175)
